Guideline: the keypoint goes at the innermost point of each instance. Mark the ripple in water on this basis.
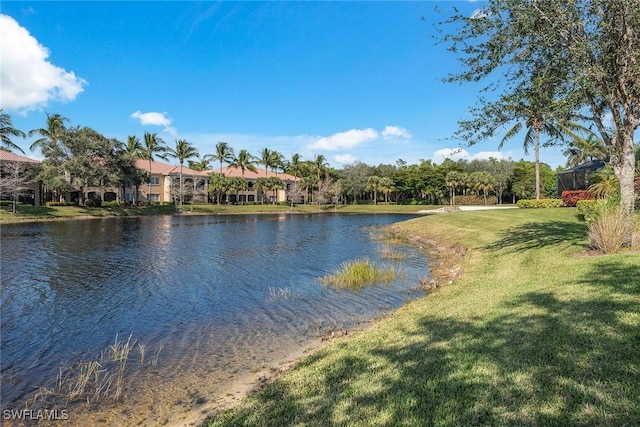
(224, 296)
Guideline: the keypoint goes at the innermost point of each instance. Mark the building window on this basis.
(155, 180)
(154, 197)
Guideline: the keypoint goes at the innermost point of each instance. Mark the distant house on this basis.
(10, 164)
(252, 194)
(165, 181)
(579, 177)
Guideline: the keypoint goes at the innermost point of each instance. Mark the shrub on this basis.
(60, 204)
(611, 231)
(475, 200)
(588, 210)
(571, 197)
(93, 203)
(539, 203)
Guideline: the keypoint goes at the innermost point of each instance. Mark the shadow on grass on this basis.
(30, 211)
(540, 360)
(538, 235)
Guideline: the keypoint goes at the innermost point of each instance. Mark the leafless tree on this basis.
(14, 181)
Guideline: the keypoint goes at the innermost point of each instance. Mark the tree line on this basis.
(76, 158)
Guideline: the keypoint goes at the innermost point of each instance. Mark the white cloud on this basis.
(152, 118)
(344, 159)
(344, 140)
(486, 155)
(479, 13)
(395, 132)
(450, 153)
(29, 81)
(155, 119)
(462, 154)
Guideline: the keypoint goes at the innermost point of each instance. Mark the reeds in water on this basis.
(359, 273)
(282, 293)
(387, 252)
(93, 380)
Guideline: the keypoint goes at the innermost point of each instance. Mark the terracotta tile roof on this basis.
(233, 172)
(8, 156)
(165, 169)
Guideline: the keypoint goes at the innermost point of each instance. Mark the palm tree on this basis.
(133, 149)
(373, 184)
(294, 166)
(7, 131)
(50, 135)
(183, 151)
(199, 164)
(309, 182)
(266, 159)
(582, 150)
(454, 179)
(320, 164)
(224, 154)
(153, 145)
(387, 187)
(541, 115)
(605, 183)
(236, 185)
(277, 161)
(244, 161)
(481, 181)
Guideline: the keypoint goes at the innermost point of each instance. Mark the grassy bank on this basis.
(26, 213)
(532, 332)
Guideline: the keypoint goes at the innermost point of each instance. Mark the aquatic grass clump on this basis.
(386, 236)
(95, 379)
(282, 293)
(387, 252)
(356, 274)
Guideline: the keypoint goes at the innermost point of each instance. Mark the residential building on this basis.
(12, 169)
(252, 194)
(165, 182)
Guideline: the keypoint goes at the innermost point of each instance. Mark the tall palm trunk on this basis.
(537, 127)
(150, 179)
(181, 197)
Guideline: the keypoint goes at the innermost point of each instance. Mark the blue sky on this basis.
(354, 81)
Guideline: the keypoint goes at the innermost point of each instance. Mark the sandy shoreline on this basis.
(445, 262)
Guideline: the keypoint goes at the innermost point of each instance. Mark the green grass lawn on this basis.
(533, 332)
(37, 213)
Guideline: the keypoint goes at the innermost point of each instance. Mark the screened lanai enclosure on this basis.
(579, 177)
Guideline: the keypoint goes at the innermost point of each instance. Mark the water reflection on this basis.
(204, 286)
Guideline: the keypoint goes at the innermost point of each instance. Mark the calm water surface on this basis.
(225, 295)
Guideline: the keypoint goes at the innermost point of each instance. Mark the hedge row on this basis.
(475, 200)
(61, 204)
(541, 203)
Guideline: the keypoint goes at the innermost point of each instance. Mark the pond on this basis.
(204, 301)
